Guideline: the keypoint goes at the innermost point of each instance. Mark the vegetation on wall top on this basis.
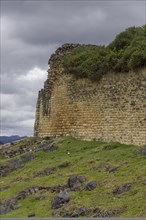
(127, 52)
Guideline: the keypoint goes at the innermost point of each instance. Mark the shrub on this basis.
(137, 59)
(126, 52)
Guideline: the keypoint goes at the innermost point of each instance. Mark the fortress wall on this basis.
(112, 109)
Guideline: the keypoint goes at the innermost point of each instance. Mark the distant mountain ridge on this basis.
(9, 139)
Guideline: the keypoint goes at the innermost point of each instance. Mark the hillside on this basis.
(65, 177)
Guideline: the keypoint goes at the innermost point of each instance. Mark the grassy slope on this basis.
(83, 157)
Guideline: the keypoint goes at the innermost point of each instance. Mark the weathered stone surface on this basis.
(8, 205)
(27, 157)
(50, 148)
(4, 188)
(91, 185)
(12, 165)
(121, 189)
(15, 163)
(141, 151)
(91, 213)
(46, 172)
(109, 168)
(91, 110)
(11, 204)
(64, 165)
(60, 199)
(21, 195)
(58, 188)
(82, 211)
(26, 179)
(30, 215)
(28, 147)
(30, 191)
(40, 197)
(4, 170)
(76, 183)
(109, 147)
(112, 169)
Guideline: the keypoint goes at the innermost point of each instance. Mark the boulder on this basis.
(82, 211)
(46, 172)
(8, 205)
(4, 188)
(121, 189)
(15, 163)
(91, 185)
(63, 165)
(112, 169)
(4, 209)
(40, 197)
(27, 157)
(50, 148)
(60, 199)
(4, 170)
(30, 215)
(58, 188)
(21, 195)
(76, 183)
(141, 151)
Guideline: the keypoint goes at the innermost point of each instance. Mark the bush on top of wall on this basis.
(127, 52)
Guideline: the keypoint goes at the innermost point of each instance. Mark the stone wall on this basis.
(112, 109)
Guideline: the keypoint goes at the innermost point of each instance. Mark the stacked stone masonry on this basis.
(112, 109)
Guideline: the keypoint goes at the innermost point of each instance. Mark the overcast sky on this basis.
(31, 30)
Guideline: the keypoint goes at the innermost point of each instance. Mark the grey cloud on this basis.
(21, 84)
(70, 20)
(34, 26)
(17, 57)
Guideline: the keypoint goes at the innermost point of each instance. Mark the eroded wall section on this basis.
(112, 109)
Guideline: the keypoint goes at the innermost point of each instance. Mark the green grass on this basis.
(83, 157)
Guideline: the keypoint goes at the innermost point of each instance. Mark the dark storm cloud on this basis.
(31, 30)
(52, 22)
(36, 28)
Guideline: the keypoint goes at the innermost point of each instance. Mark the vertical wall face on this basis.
(110, 110)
